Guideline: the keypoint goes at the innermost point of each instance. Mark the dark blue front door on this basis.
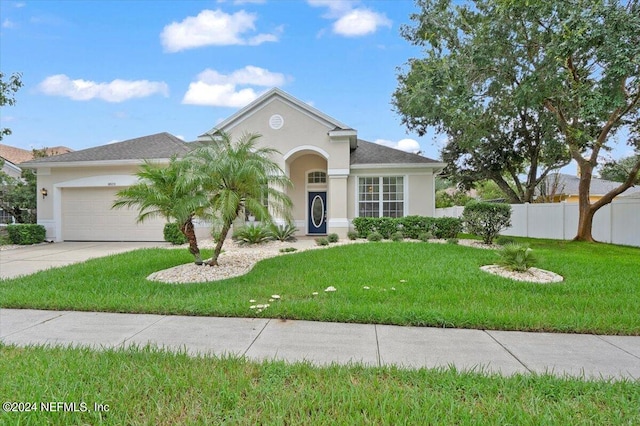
(317, 212)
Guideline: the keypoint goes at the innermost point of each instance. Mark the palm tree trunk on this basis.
(189, 232)
(218, 249)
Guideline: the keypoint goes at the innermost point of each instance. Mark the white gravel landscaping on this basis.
(237, 260)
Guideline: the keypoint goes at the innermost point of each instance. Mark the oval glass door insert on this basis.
(317, 211)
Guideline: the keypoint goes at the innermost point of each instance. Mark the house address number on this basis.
(111, 184)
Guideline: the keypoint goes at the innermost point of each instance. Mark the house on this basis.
(11, 158)
(335, 175)
(563, 187)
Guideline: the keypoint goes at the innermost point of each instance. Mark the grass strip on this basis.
(140, 386)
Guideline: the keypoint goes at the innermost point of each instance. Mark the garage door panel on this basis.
(87, 216)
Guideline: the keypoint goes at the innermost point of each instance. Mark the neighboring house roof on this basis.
(158, 146)
(568, 184)
(19, 155)
(372, 153)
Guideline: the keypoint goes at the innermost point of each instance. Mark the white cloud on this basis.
(360, 22)
(351, 21)
(213, 28)
(215, 89)
(407, 145)
(7, 23)
(249, 1)
(114, 91)
(336, 7)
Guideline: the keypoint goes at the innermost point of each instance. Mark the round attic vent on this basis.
(276, 122)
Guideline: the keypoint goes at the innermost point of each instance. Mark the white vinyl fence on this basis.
(617, 222)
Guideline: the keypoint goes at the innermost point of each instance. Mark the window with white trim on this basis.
(317, 177)
(381, 196)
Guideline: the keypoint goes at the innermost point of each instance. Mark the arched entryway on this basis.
(307, 169)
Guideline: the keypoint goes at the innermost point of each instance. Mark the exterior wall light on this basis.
(44, 192)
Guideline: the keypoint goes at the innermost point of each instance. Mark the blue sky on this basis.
(95, 72)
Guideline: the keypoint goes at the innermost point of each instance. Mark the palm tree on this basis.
(162, 191)
(238, 176)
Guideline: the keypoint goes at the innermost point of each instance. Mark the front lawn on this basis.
(409, 284)
(146, 386)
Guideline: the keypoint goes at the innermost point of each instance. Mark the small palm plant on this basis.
(516, 257)
(251, 234)
(284, 232)
(238, 176)
(163, 191)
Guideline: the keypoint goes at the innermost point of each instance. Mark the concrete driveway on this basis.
(29, 259)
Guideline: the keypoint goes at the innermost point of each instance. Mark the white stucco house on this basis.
(336, 176)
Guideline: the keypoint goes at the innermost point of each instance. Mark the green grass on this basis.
(435, 285)
(152, 387)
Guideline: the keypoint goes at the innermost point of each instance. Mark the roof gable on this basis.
(265, 99)
(160, 145)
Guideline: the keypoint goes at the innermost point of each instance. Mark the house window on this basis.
(317, 177)
(381, 196)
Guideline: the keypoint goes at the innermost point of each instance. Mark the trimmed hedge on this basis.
(411, 226)
(26, 233)
(173, 234)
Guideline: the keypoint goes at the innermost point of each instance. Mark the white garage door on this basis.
(87, 216)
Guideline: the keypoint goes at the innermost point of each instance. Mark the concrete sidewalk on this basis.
(30, 259)
(504, 352)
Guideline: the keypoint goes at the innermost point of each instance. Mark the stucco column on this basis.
(338, 220)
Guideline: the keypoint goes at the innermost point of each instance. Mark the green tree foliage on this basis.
(237, 176)
(8, 89)
(19, 196)
(619, 171)
(465, 87)
(569, 68)
(166, 191)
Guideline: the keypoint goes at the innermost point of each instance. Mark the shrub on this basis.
(447, 227)
(288, 249)
(397, 236)
(374, 236)
(26, 233)
(252, 234)
(386, 226)
(364, 226)
(322, 241)
(486, 219)
(173, 234)
(283, 232)
(425, 236)
(414, 226)
(453, 241)
(503, 241)
(333, 238)
(382, 225)
(352, 235)
(516, 257)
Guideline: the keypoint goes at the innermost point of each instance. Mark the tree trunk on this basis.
(218, 249)
(189, 232)
(586, 213)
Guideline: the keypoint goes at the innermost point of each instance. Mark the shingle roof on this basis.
(160, 145)
(373, 153)
(19, 155)
(568, 184)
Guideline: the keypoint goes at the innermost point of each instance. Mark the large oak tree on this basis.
(569, 68)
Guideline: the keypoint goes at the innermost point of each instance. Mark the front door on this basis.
(317, 212)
